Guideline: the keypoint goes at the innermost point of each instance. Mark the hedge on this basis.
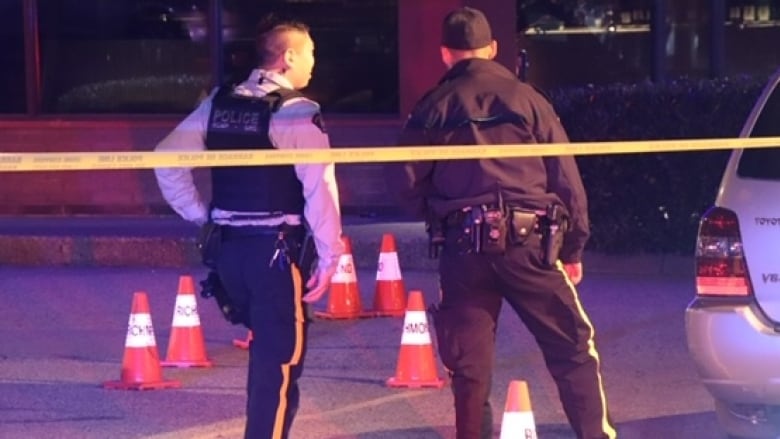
(651, 203)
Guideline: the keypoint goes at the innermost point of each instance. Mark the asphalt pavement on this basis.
(62, 332)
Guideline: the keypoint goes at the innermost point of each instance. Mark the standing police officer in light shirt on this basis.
(512, 229)
(259, 212)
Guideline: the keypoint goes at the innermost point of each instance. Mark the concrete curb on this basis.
(173, 245)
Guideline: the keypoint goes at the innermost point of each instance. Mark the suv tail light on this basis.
(720, 262)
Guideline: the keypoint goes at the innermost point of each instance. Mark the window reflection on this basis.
(153, 55)
(687, 44)
(536, 16)
(753, 24)
(122, 55)
(575, 42)
(356, 52)
(12, 78)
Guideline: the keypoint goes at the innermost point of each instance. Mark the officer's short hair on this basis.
(466, 29)
(270, 38)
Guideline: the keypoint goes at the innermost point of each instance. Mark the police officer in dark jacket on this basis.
(512, 229)
(260, 211)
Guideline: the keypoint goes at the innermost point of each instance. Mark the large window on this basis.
(576, 42)
(122, 55)
(12, 78)
(356, 52)
(753, 24)
(688, 42)
(158, 56)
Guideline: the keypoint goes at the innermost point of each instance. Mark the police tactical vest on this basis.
(238, 122)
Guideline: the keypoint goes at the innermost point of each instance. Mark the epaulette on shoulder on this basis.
(225, 90)
(278, 97)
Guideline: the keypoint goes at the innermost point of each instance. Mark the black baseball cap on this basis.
(465, 29)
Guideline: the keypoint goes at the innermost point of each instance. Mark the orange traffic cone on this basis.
(344, 296)
(390, 294)
(243, 344)
(416, 364)
(186, 347)
(141, 363)
(518, 420)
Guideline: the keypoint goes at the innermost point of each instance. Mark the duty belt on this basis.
(491, 229)
(235, 232)
(477, 213)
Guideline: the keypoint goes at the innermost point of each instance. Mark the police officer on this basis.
(502, 223)
(261, 212)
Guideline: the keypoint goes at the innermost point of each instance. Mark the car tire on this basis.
(737, 427)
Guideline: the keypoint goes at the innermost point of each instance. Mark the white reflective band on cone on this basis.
(140, 333)
(388, 268)
(416, 329)
(518, 425)
(186, 313)
(345, 272)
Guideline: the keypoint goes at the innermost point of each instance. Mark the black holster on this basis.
(209, 243)
(212, 287)
(554, 226)
(434, 227)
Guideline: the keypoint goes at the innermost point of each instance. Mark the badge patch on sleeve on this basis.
(318, 122)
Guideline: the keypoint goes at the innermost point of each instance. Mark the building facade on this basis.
(92, 75)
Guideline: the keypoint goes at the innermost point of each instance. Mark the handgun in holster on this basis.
(212, 287)
(209, 245)
(554, 224)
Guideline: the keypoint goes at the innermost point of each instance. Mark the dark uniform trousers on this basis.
(473, 286)
(278, 322)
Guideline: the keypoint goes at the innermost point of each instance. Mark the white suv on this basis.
(733, 324)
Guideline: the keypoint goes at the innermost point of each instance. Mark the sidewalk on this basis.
(167, 241)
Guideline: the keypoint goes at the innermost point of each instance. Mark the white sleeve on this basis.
(298, 125)
(176, 184)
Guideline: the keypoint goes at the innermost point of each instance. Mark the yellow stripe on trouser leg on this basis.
(606, 427)
(297, 352)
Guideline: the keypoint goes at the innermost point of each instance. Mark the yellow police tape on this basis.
(147, 159)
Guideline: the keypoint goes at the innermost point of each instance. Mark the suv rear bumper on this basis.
(736, 351)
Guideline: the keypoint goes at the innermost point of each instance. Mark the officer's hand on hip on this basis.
(574, 271)
(318, 284)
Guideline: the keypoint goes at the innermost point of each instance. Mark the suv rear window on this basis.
(764, 163)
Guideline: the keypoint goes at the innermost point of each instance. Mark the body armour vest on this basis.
(238, 122)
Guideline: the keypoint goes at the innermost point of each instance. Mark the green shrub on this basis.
(652, 202)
